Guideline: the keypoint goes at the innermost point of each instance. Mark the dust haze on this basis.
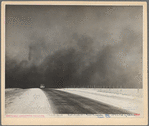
(74, 46)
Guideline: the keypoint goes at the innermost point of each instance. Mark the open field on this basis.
(73, 101)
(128, 99)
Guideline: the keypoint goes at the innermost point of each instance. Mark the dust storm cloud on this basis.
(74, 46)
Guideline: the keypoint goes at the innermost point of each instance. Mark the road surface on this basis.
(67, 103)
(50, 101)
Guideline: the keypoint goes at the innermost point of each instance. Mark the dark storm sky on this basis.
(74, 45)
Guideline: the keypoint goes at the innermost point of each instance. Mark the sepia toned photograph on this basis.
(74, 61)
